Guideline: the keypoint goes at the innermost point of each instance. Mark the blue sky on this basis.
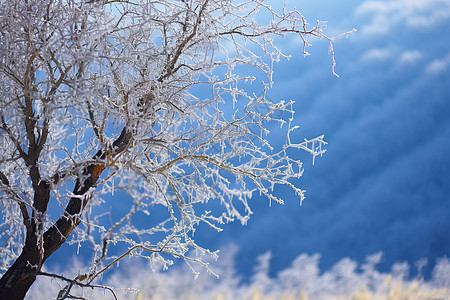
(384, 183)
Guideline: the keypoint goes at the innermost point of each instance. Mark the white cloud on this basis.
(411, 56)
(439, 65)
(411, 13)
(377, 54)
(382, 54)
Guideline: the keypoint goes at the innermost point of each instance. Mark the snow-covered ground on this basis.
(302, 280)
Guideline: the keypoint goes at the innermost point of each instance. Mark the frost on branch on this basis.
(145, 104)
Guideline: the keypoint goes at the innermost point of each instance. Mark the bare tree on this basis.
(138, 102)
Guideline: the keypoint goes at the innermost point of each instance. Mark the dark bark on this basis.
(15, 283)
(20, 276)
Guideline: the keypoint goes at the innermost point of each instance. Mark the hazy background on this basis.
(384, 183)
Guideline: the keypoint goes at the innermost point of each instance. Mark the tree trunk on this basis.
(16, 282)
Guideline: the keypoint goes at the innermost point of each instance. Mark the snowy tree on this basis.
(136, 104)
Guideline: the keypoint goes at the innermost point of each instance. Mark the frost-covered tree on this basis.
(139, 104)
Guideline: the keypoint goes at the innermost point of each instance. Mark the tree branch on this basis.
(176, 56)
(22, 204)
(57, 234)
(64, 293)
(13, 139)
(29, 119)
